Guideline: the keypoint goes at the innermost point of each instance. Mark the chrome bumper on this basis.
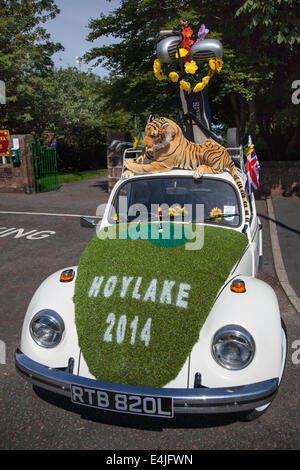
(189, 400)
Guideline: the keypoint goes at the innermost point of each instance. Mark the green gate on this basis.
(44, 163)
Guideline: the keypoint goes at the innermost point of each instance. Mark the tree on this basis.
(72, 117)
(276, 23)
(260, 58)
(25, 60)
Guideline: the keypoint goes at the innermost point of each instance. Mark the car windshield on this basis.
(177, 198)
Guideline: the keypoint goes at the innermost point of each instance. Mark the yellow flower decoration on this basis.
(157, 70)
(212, 64)
(157, 66)
(219, 64)
(174, 76)
(201, 85)
(250, 150)
(198, 87)
(135, 143)
(205, 80)
(185, 85)
(182, 52)
(215, 212)
(216, 64)
(177, 210)
(191, 67)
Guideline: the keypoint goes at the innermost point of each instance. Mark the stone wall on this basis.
(18, 178)
(279, 178)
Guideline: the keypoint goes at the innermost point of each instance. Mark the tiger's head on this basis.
(158, 134)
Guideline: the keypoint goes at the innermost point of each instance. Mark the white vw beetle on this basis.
(236, 364)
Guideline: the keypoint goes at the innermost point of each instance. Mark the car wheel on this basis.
(257, 412)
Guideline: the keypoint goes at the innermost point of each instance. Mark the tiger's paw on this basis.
(198, 173)
(129, 162)
(127, 173)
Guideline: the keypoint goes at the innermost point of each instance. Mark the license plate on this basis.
(123, 402)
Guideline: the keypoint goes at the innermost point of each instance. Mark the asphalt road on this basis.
(32, 419)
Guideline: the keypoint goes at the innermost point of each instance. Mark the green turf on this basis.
(140, 304)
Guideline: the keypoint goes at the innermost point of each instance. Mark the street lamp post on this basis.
(78, 61)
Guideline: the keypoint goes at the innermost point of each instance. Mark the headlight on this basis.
(233, 347)
(46, 328)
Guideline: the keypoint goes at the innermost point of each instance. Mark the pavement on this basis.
(284, 219)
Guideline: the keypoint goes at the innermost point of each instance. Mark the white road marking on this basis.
(47, 213)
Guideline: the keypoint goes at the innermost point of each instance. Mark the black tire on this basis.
(233, 137)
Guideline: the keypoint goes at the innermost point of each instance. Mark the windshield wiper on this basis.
(220, 216)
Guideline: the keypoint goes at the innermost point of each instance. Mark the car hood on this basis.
(143, 293)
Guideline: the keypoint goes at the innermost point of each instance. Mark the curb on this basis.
(278, 260)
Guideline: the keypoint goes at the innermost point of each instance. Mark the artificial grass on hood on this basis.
(140, 303)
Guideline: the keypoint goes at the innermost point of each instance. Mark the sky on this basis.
(70, 28)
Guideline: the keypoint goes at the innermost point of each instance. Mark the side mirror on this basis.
(87, 222)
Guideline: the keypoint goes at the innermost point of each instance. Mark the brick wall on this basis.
(115, 159)
(5, 174)
(279, 178)
(18, 178)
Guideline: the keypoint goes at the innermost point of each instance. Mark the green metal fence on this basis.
(44, 163)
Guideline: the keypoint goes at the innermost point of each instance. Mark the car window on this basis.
(177, 197)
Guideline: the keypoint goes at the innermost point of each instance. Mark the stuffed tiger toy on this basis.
(167, 148)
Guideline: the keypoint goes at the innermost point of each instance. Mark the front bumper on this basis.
(189, 400)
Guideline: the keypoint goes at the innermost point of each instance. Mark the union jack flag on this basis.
(253, 168)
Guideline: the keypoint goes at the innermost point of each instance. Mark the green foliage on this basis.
(80, 175)
(277, 20)
(252, 92)
(50, 104)
(25, 59)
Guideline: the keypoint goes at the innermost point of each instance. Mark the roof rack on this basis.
(131, 153)
(236, 153)
(237, 156)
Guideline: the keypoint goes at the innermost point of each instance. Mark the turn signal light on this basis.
(238, 286)
(67, 275)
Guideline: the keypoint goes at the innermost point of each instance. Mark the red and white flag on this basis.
(253, 168)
